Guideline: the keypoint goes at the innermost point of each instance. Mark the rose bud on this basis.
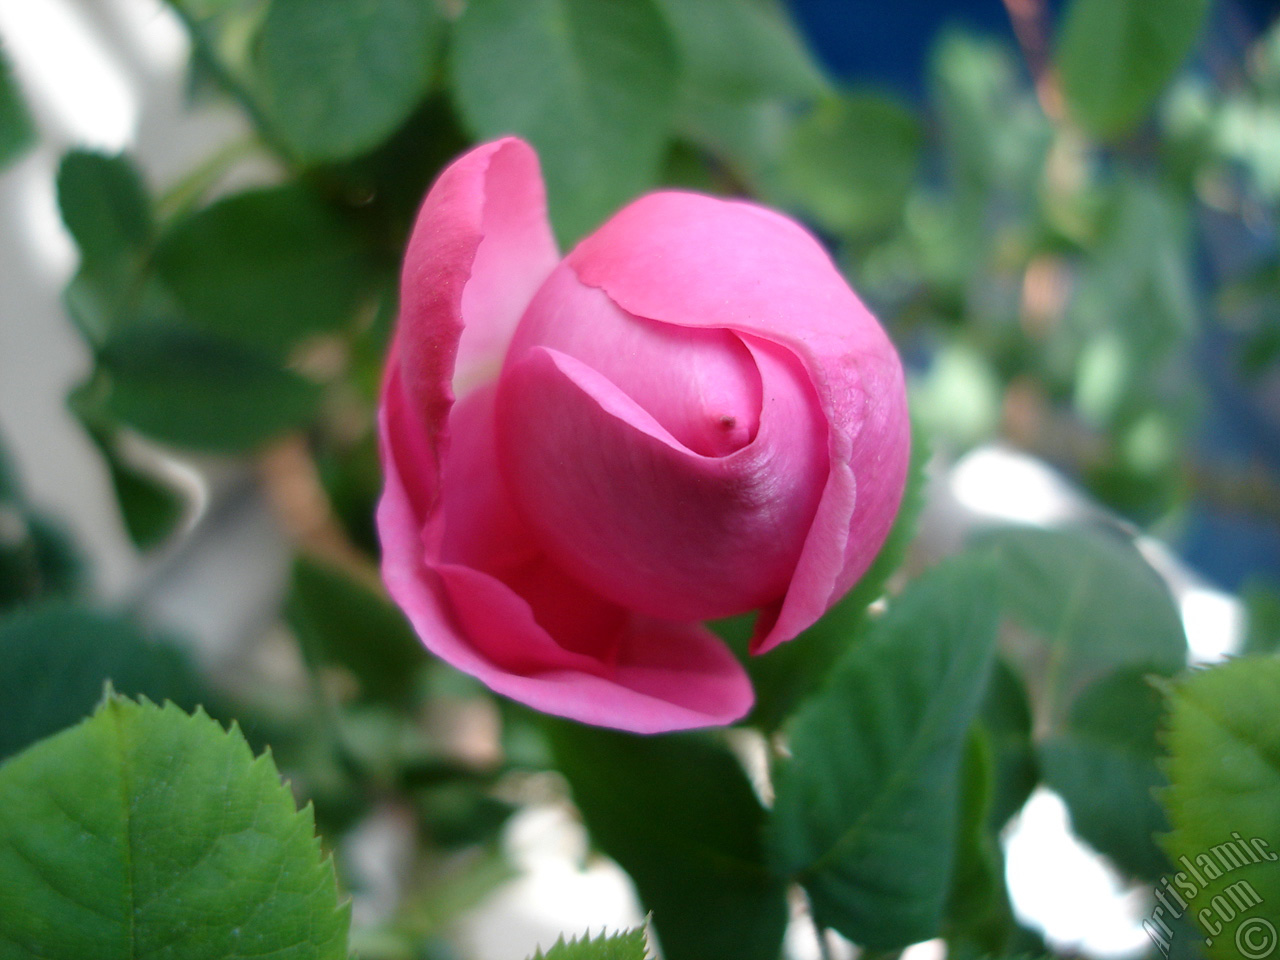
(690, 416)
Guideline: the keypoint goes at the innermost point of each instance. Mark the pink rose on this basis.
(689, 416)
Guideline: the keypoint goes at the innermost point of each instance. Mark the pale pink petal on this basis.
(626, 508)
(698, 261)
(479, 249)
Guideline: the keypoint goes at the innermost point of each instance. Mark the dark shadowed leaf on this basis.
(978, 914)
(1103, 765)
(105, 206)
(37, 559)
(678, 814)
(866, 816)
(1084, 604)
(150, 507)
(266, 267)
(1006, 718)
(198, 392)
(345, 623)
(55, 658)
(17, 132)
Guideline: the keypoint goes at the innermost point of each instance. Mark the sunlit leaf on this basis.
(628, 945)
(146, 832)
(1224, 774)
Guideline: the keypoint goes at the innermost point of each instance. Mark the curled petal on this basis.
(702, 385)
(697, 261)
(477, 591)
(626, 508)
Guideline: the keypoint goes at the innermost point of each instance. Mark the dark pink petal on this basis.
(626, 508)
(698, 261)
(482, 598)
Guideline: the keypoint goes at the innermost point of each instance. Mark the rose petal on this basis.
(504, 614)
(479, 250)
(626, 508)
(698, 261)
(701, 385)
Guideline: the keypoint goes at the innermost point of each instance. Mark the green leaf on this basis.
(996, 136)
(339, 77)
(1006, 718)
(344, 623)
(1114, 57)
(1103, 765)
(741, 50)
(1224, 774)
(266, 267)
(105, 206)
(850, 162)
(1134, 302)
(55, 657)
(1086, 604)
(37, 559)
(748, 138)
(197, 392)
(628, 945)
(978, 910)
(17, 132)
(150, 508)
(680, 817)
(866, 811)
(783, 677)
(1262, 614)
(145, 832)
(591, 85)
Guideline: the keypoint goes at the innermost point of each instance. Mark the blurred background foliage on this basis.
(1065, 213)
